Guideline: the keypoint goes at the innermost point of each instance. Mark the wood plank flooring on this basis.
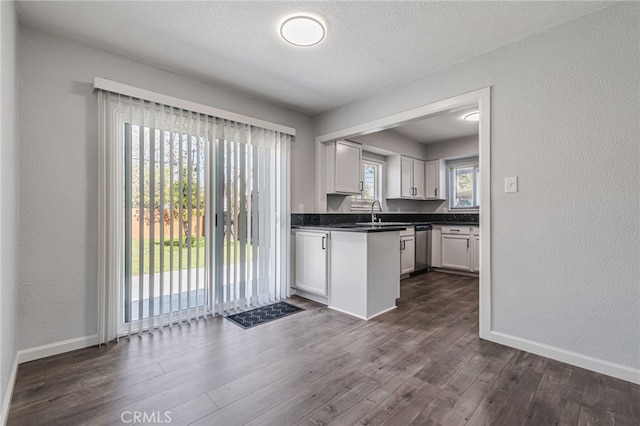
(421, 364)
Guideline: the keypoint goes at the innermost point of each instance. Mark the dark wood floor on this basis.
(421, 364)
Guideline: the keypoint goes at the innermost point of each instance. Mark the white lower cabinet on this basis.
(460, 248)
(455, 251)
(436, 247)
(311, 254)
(407, 255)
(407, 250)
(475, 253)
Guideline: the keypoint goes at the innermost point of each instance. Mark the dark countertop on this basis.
(454, 224)
(351, 228)
(410, 219)
(360, 227)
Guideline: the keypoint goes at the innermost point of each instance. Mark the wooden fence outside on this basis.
(158, 222)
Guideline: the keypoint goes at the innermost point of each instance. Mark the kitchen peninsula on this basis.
(352, 268)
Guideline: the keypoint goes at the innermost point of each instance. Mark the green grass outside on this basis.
(165, 250)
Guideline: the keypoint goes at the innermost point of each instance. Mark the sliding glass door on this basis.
(165, 226)
(202, 226)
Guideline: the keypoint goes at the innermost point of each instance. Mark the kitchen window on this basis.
(371, 186)
(464, 185)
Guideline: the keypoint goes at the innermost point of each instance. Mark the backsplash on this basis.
(310, 219)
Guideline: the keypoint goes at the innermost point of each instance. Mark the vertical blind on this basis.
(193, 215)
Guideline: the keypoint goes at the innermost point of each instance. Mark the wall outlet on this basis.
(345, 209)
(511, 184)
(301, 208)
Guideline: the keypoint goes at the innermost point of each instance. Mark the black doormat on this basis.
(263, 314)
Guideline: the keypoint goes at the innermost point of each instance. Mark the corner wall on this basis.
(8, 203)
(565, 248)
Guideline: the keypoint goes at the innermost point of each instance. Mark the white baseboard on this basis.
(360, 316)
(583, 361)
(31, 354)
(316, 298)
(6, 401)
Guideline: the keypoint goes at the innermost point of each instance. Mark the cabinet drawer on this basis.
(457, 230)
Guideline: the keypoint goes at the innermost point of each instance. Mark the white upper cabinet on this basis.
(344, 167)
(435, 180)
(418, 179)
(405, 178)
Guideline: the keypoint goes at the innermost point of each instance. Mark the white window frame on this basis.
(358, 204)
(466, 163)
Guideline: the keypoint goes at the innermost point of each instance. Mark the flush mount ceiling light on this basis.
(474, 116)
(302, 30)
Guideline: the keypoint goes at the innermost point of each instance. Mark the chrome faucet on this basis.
(373, 216)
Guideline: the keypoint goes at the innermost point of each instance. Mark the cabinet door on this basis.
(436, 247)
(347, 167)
(455, 251)
(418, 179)
(475, 253)
(311, 262)
(407, 255)
(435, 180)
(406, 177)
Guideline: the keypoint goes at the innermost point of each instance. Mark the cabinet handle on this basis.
(436, 192)
(323, 247)
(415, 191)
(402, 245)
(361, 186)
(467, 243)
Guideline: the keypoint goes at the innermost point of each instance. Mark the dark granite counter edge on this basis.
(363, 228)
(314, 219)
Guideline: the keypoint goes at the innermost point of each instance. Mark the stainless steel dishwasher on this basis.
(423, 247)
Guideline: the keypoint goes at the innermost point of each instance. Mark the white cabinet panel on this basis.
(475, 253)
(311, 262)
(455, 251)
(418, 179)
(407, 255)
(344, 160)
(435, 180)
(405, 178)
(436, 247)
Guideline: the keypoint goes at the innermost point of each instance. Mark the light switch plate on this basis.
(511, 184)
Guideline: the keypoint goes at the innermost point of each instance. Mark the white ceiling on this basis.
(370, 46)
(446, 125)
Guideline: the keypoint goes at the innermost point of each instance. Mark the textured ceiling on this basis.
(370, 46)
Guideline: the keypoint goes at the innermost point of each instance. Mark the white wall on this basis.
(564, 112)
(8, 200)
(58, 187)
(453, 148)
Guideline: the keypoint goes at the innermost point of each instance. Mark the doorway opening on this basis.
(479, 99)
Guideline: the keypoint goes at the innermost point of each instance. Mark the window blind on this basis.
(193, 215)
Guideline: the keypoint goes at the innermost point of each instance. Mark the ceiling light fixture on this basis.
(474, 116)
(302, 30)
